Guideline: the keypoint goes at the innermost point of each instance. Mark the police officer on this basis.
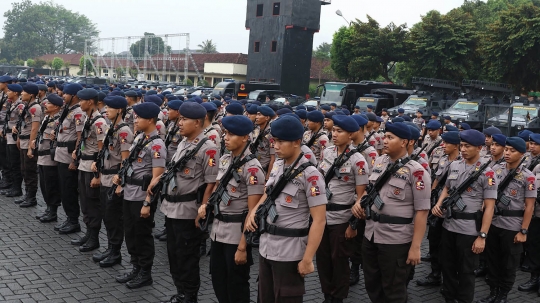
(209, 131)
(433, 128)
(48, 172)
(282, 272)
(132, 99)
(464, 234)
(251, 112)
(448, 121)
(451, 153)
(230, 256)
(4, 105)
(328, 123)
(411, 147)
(160, 126)
(333, 252)
(30, 121)
(265, 148)
(119, 142)
(315, 120)
(497, 149)
(488, 132)
(145, 162)
(391, 243)
(510, 224)
(376, 139)
(369, 152)
(419, 121)
(15, 108)
(534, 156)
(193, 184)
(67, 135)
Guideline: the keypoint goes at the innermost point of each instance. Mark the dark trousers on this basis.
(4, 167)
(502, 256)
(356, 256)
(138, 233)
(333, 261)
(458, 263)
(532, 246)
(434, 238)
(280, 282)
(68, 189)
(183, 242)
(90, 204)
(14, 162)
(113, 218)
(230, 281)
(50, 187)
(386, 271)
(29, 172)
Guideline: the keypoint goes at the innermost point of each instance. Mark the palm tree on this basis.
(208, 47)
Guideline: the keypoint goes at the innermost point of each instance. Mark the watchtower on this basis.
(281, 41)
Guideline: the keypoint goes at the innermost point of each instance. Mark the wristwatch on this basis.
(523, 231)
(482, 235)
(146, 204)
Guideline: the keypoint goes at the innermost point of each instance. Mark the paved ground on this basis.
(39, 265)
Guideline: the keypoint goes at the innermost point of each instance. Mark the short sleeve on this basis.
(254, 178)
(79, 117)
(210, 165)
(360, 170)
(530, 190)
(159, 153)
(100, 127)
(36, 113)
(488, 183)
(125, 135)
(314, 187)
(421, 188)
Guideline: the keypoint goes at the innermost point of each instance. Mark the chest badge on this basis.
(420, 185)
(469, 189)
(233, 189)
(186, 171)
(288, 199)
(397, 191)
(139, 160)
(513, 192)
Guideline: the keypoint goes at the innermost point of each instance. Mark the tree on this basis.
(32, 30)
(31, 62)
(57, 64)
(39, 63)
(203, 83)
(342, 53)
(323, 51)
(208, 47)
(155, 46)
(89, 63)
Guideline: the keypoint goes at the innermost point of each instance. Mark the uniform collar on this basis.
(197, 139)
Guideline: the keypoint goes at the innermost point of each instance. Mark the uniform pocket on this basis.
(288, 196)
(189, 170)
(397, 189)
(515, 254)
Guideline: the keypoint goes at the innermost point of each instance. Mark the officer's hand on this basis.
(14, 130)
(350, 233)
(437, 211)
(145, 212)
(414, 256)
(202, 211)
(74, 155)
(478, 245)
(152, 184)
(358, 211)
(250, 224)
(116, 180)
(32, 144)
(197, 221)
(95, 182)
(305, 267)
(72, 166)
(94, 167)
(520, 238)
(118, 190)
(29, 153)
(240, 257)
(51, 135)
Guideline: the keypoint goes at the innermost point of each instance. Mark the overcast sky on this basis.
(223, 21)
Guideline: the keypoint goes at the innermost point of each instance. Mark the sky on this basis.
(223, 21)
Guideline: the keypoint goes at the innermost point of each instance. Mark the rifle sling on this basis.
(337, 165)
(176, 166)
(227, 177)
(295, 173)
(390, 170)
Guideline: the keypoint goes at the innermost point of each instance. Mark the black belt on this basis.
(386, 219)
(337, 207)
(8, 131)
(511, 213)
(181, 198)
(112, 171)
(24, 137)
(66, 144)
(134, 181)
(44, 152)
(287, 232)
(88, 157)
(230, 218)
(464, 216)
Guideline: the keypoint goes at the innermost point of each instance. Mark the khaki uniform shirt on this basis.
(319, 144)
(120, 140)
(213, 135)
(198, 171)
(521, 187)
(407, 191)
(16, 108)
(308, 154)
(265, 149)
(486, 151)
(162, 130)
(379, 143)
(73, 123)
(303, 192)
(33, 114)
(251, 183)
(175, 140)
(45, 143)
(420, 122)
(536, 173)
(484, 187)
(370, 154)
(4, 108)
(89, 147)
(354, 172)
(129, 118)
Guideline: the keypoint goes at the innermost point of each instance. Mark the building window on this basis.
(274, 47)
(257, 46)
(259, 10)
(105, 70)
(273, 80)
(275, 11)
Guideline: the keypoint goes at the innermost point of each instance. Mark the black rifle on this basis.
(372, 191)
(435, 193)
(255, 145)
(103, 154)
(334, 169)
(314, 137)
(84, 136)
(433, 147)
(416, 156)
(20, 123)
(39, 136)
(6, 121)
(221, 195)
(268, 208)
(534, 163)
(171, 133)
(454, 194)
(63, 116)
(364, 145)
(501, 198)
(160, 189)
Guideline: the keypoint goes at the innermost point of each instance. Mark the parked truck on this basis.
(33, 72)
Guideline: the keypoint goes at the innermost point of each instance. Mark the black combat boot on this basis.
(493, 295)
(20, 199)
(100, 256)
(115, 257)
(38, 216)
(73, 226)
(123, 278)
(327, 298)
(144, 278)
(5, 184)
(433, 279)
(481, 270)
(93, 241)
(180, 298)
(58, 226)
(202, 248)
(29, 202)
(14, 192)
(355, 274)
(50, 216)
(532, 284)
(426, 257)
(190, 298)
(158, 234)
(502, 297)
(163, 237)
(82, 239)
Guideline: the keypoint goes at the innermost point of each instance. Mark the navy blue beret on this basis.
(131, 93)
(447, 118)
(251, 109)
(397, 119)
(299, 107)
(517, 143)
(492, 130)
(257, 102)
(329, 115)
(274, 107)
(283, 111)
(72, 89)
(171, 97)
(147, 110)
(198, 99)
(420, 111)
(401, 110)
(117, 93)
(301, 113)
(451, 128)
(384, 110)
(346, 123)
(154, 99)
(465, 126)
(357, 107)
(161, 96)
(433, 124)
(143, 92)
(266, 111)
(436, 114)
(234, 108)
(473, 137)
(151, 92)
(500, 139)
(50, 84)
(371, 117)
(55, 99)
(31, 88)
(370, 106)
(325, 107)
(315, 116)
(311, 108)
(60, 87)
(209, 106)
(87, 94)
(217, 103)
(399, 129)
(525, 134)
(5, 79)
(535, 138)
(451, 137)
(346, 112)
(101, 96)
(174, 104)
(406, 118)
(165, 93)
(16, 88)
(379, 119)
(339, 112)
(415, 133)
(139, 94)
(23, 80)
(192, 110)
(115, 102)
(361, 121)
(239, 125)
(42, 87)
(287, 128)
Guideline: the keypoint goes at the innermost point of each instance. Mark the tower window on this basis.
(259, 10)
(274, 46)
(276, 7)
(257, 46)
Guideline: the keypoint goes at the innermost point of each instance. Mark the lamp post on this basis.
(338, 12)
